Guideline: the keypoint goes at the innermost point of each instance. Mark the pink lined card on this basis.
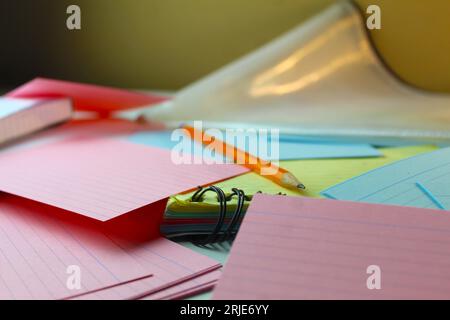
(86, 97)
(36, 250)
(189, 288)
(102, 178)
(198, 285)
(300, 248)
(172, 267)
(83, 128)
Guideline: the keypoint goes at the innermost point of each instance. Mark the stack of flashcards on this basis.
(80, 220)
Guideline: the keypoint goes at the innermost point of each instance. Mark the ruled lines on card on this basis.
(299, 248)
(38, 253)
(396, 183)
(437, 190)
(174, 269)
(186, 289)
(102, 178)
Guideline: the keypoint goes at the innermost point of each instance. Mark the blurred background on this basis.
(167, 44)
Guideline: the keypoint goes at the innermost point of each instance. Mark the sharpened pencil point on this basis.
(301, 186)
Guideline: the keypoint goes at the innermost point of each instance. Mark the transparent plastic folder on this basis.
(322, 79)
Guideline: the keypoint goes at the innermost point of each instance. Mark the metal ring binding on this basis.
(231, 232)
(221, 197)
(218, 234)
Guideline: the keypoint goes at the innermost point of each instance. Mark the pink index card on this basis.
(170, 264)
(40, 252)
(84, 128)
(189, 288)
(102, 178)
(300, 248)
(85, 97)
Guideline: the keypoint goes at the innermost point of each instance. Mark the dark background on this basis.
(167, 44)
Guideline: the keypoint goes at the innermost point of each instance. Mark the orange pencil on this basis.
(278, 175)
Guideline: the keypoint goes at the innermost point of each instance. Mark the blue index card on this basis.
(395, 183)
(438, 190)
(382, 142)
(288, 150)
(162, 139)
(10, 106)
(314, 150)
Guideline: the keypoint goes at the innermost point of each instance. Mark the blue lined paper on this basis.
(438, 191)
(396, 183)
(288, 150)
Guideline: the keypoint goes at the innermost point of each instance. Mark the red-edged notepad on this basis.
(85, 97)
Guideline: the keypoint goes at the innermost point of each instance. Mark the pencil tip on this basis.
(301, 186)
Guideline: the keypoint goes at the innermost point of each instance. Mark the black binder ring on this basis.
(230, 232)
(221, 197)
